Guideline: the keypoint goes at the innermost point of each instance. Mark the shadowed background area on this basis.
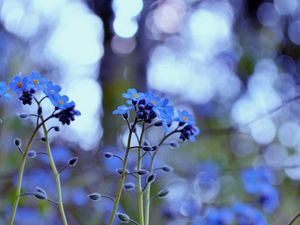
(233, 64)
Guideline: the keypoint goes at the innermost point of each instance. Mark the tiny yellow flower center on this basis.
(185, 118)
(61, 102)
(20, 84)
(153, 102)
(136, 95)
(36, 81)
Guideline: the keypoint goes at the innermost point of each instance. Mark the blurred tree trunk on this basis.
(117, 73)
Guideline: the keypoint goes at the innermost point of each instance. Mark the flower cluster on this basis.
(258, 183)
(151, 109)
(27, 86)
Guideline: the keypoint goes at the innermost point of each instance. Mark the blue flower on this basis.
(133, 95)
(60, 101)
(222, 216)
(254, 180)
(185, 118)
(247, 215)
(51, 90)
(123, 109)
(268, 198)
(18, 84)
(37, 81)
(4, 90)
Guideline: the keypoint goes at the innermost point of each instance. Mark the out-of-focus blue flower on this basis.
(133, 94)
(247, 215)
(224, 216)
(51, 90)
(37, 81)
(123, 109)
(185, 118)
(18, 84)
(190, 207)
(4, 90)
(254, 180)
(269, 199)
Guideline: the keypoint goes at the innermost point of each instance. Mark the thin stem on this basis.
(139, 182)
(148, 187)
(119, 192)
(294, 219)
(20, 177)
(56, 175)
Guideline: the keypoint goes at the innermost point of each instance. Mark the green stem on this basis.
(139, 183)
(119, 192)
(20, 177)
(56, 175)
(148, 188)
(294, 219)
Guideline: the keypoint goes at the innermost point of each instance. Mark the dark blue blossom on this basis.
(67, 115)
(247, 215)
(189, 132)
(27, 96)
(222, 216)
(4, 90)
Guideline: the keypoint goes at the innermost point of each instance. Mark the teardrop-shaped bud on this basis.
(73, 161)
(123, 218)
(108, 155)
(158, 123)
(41, 190)
(56, 128)
(40, 110)
(163, 193)
(167, 169)
(18, 142)
(23, 116)
(40, 196)
(31, 154)
(174, 144)
(94, 196)
(151, 178)
(120, 171)
(147, 148)
(129, 186)
(142, 172)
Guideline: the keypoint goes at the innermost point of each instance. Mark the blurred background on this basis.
(234, 64)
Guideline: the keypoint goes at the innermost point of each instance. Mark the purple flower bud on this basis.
(94, 196)
(31, 154)
(108, 155)
(73, 161)
(163, 193)
(167, 168)
(142, 172)
(124, 218)
(151, 178)
(18, 142)
(129, 186)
